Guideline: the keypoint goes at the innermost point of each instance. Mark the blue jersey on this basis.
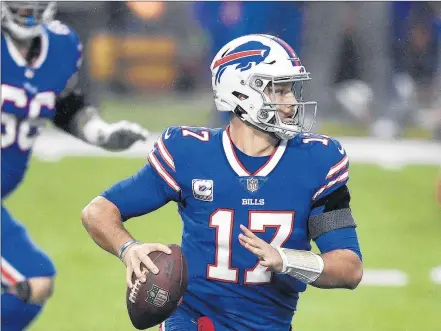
(29, 93)
(199, 169)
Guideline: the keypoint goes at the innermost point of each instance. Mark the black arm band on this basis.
(23, 290)
(336, 213)
(339, 199)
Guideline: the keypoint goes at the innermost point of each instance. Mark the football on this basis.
(152, 302)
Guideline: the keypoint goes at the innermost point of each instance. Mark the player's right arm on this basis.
(142, 193)
(74, 114)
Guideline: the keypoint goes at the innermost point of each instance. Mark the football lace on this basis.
(134, 292)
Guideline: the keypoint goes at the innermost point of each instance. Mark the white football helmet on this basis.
(242, 70)
(24, 19)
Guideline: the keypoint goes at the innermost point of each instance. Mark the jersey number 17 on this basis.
(222, 221)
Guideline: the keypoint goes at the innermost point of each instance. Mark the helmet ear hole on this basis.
(240, 96)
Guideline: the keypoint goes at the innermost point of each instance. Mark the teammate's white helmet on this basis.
(24, 19)
(241, 71)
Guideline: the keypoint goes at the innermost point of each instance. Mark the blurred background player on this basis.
(415, 77)
(40, 61)
(264, 173)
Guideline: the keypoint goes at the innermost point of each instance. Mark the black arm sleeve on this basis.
(339, 199)
(330, 213)
(66, 109)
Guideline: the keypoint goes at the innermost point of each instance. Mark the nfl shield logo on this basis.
(157, 296)
(252, 184)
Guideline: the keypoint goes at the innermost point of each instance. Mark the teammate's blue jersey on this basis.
(200, 170)
(29, 95)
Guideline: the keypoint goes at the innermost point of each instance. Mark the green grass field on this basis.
(399, 228)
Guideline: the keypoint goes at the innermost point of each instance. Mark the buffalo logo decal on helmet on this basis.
(243, 56)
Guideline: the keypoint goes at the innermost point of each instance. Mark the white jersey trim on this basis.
(240, 170)
(337, 167)
(163, 173)
(10, 275)
(343, 177)
(20, 60)
(165, 154)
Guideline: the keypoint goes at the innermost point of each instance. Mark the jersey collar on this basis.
(20, 60)
(238, 167)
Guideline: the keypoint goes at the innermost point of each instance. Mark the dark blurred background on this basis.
(375, 65)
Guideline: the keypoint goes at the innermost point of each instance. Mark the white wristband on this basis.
(305, 266)
(284, 259)
(96, 131)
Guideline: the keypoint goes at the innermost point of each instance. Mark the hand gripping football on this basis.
(152, 302)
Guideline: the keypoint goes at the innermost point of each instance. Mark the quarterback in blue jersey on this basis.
(39, 63)
(251, 196)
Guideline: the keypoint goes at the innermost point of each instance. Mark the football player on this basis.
(251, 196)
(39, 63)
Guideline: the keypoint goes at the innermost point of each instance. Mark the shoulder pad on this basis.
(162, 157)
(173, 148)
(67, 41)
(187, 136)
(168, 146)
(332, 162)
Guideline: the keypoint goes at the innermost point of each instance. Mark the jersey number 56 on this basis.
(22, 130)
